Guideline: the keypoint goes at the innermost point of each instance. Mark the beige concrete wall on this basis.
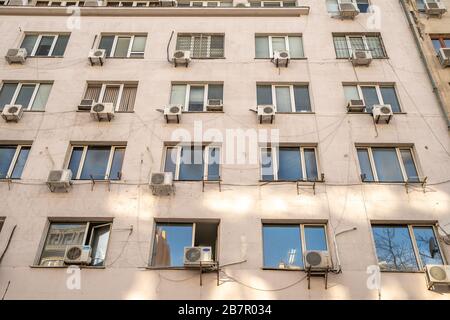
(239, 208)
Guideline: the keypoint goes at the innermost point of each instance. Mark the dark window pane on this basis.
(106, 42)
(375, 47)
(387, 165)
(6, 156)
(315, 238)
(44, 46)
(215, 91)
(266, 165)
(116, 166)
(28, 43)
(410, 167)
(364, 164)
(100, 239)
(94, 166)
(25, 94)
(196, 98)
(370, 97)
(6, 94)
(217, 46)
(390, 97)
(282, 246)
(169, 243)
(363, 5)
(122, 45)
(191, 163)
(341, 47)
(60, 46)
(428, 246)
(394, 248)
(75, 159)
(301, 96)
(420, 4)
(171, 160)
(436, 45)
(262, 47)
(264, 94)
(311, 165)
(20, 163)
(289, 164)
(213, 164)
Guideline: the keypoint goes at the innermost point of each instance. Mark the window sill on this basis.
(124, 58)
(88, 111)
(402, 272)
(293, 181)
(193, 267)
(348, 58)
(196, 180)
(269, 59)
(206, 58)
(45, 57)
(187, 112)
(392, 182)
(65, 267)
(368, 113)
(299, 112)
(282, 269)
(37, 111)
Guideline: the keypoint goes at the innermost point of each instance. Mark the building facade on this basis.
(261, 189)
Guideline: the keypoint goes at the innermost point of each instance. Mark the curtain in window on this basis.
(128, 98)
(184, 43)
(178, 94)
(262, 47)
(357, 43)
(340, 45)
(93, 92)
(111, 94)
(41, 97)
(295, 47)
(28, 43)
(278, 44)
(283, 96)
(301, 98)
(387, 165)
(123, 43)
(375, 46)
(216, 46)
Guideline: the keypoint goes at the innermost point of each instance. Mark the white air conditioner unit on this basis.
(92, 3)
(77, 254)
(214, 105)
(266, 113)
(437, 274)
(181, 57)
(348, 9)
(317, 260)
(242, 5)
(161, 183)
(382, 113)
(435, 8)
(281, 58)
(12, 112)
(102, 111)
(16, 55)
(173, 112)
(361, 57)
(167, 3)
(85, 105)
(59, 179)
(197, 255)
(444, 57)
(356, 105)
(18, 2)
(97, 56)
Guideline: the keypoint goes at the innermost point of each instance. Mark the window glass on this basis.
(200, 46)
(375, 46)
(60, 46)
(408, 163)
(282, 246)
(20, 163)
(295, 47)
(387, 165)
(264, 95)
(99, 244)
(351, 93)
(311, 164)
(215, 91)
(341, 47)
(315, 238)
(111, 94)
(278, 43)
(178, 94)
(6, 156)
(106, 42)
(364, 164)
(213, 164)
(357, 43)
(6, 94)
(301, 97)
(171, 160)
(75, 159)
(363, 5)
(436, 45)
(25, 94)
(41, 97)
(216, 49)
(394, 248)
(262, 47)
(196, 97)
(191, 163)
(390, 97)
(447, 43)
(283, 96)
(169, 243)
(427, 245)
(266, 164)
(420, 4)
(138, 47)
(44, 46)
(332, 6)
(95, 163)
(123, 43)
(184, 42)
(370, 97)
(116, 165)
(28, 43)
(289, 164)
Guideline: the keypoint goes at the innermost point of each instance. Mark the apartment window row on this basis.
(12, 160)
(195, 97)
(121, 95)
(30, 95)
(346, 44)
(265, 46)
(182, 3)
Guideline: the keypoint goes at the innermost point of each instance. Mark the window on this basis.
(191, 162)
(372, 95)
(289, 164)
(406, 247)
(2, 222)
(344, 44)
(123, 46)
(171, 238)
(205, 4)
(121, 95)
(96, 162)
(59, 3)
(60, 235)
(284, 244)
(194, 97)
(12, 160)
(273, 4)
(420, 4)
(440, 41)
(202, 45)
(129, 3)
(266, 45)
(363, 5)
(285, 98)
(45, 45)
(387, 164)
(31, 96)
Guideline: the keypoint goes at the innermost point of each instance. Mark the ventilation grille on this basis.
(193, 254)
(158, 178)
(74, 253)
(55, 175)
(438, 273)
(98, 107)
(314, 258)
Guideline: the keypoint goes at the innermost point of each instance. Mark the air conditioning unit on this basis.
(435, 8)
(102, 111)
(281, 58)
(195, 255)
(92, 3)
(59, 179)
(97, 56)
(348, 9)
(12, 112)
(85, 105)
(361, 57)
(437, 274)
(16, 55)
(161, 183)
(317, 260)
(444, 57)
(382, 113)
(356, 105)
(167, 3)
(242, 5)
(77, 254)
(18, 2)
(214, 105)
(181, 57)
(266, 113)
(173, 112)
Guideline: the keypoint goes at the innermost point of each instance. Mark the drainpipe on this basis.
(436, 90)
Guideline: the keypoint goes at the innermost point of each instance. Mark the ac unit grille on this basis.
(13, 52)
(433, 5)
(313, 258)
(175, 109)
(214, 102)
(268, 110)
(385, 110)
(446, 52)
(98, 53)
(13, 109)
(356, 102)
(438, 273)
(179, 54)
(55, 175)
(347, 7)
(157, 178)
(74, 253)
(98, 107)
(193, 254)
(284, 55)
(360, 54)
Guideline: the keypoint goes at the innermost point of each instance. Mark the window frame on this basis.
(281, 2)
(62, 3)
(366, 45)
(20, 84)
(208, 47)
(188, 94)
(378, 88)
(275, 155)
(398, 150)
(38, 41)
(302, 226)
(76, 176)
(286, 44)
(412, 238)
(130, 45)
(206, 148)
(205, 3)
(274, 87)
(13, 163)
(104, 86)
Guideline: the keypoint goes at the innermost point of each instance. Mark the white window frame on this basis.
(133, 3)
(399, 159)
(291, 94)
(119, 95)
(205, 3)
(188, 94)
(12, 165)
(19, 87)
(38, 41)
(130, 45)
(378, 90)
(286, 43)
(76, 175)
(205, 158)
(274, 153)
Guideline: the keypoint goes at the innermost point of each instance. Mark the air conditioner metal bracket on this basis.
(209, 267)
(423, 184)
(218, 182)
(310, 184)
(107, 181)
(168, 121)
(317, 273)
(8, 181)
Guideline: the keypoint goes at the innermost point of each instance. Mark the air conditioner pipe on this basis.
(338, 260)
(168, 45)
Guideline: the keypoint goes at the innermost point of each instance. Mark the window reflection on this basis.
(282, 246)
(315, 238)
(427, 245)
